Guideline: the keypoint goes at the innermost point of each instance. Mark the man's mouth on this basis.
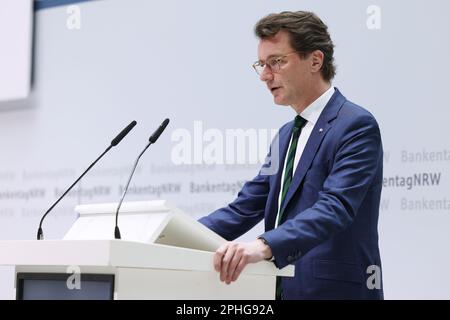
(274, 88)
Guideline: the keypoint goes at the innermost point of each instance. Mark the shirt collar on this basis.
(313, 111)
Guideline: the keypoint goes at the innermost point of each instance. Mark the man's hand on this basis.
(231, 258)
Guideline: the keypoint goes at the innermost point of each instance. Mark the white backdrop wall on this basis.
(190, 61)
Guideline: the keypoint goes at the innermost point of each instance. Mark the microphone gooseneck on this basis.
(114, 142)
(151, 140)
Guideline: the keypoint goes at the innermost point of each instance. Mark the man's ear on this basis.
(316, 60)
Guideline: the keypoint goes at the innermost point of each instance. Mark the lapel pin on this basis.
(320, 130)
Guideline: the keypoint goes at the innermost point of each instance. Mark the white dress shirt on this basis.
(311, 115)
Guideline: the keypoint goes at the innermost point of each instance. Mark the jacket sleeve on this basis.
(355, 165)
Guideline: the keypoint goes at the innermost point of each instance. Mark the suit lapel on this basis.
(315, 139)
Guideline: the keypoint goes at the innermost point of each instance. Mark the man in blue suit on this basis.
(321, 207)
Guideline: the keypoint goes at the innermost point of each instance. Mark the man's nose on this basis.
(266, 74)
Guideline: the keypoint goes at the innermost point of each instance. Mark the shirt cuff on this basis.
(272, 258)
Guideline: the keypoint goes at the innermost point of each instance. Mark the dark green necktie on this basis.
(289, 169)
(287, 179)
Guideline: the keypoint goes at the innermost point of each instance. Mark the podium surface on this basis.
(167, 268)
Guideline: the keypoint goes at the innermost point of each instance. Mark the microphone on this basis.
(151, 140)
(114, 142)
(158, 131)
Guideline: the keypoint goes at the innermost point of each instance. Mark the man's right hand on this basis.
(232, 257)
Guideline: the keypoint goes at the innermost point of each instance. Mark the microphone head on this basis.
(158, 131)
(123, 133)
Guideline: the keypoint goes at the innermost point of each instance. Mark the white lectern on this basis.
(163, 254)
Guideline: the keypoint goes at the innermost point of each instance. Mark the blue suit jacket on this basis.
(329, 229)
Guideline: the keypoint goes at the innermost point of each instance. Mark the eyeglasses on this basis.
(274, 63)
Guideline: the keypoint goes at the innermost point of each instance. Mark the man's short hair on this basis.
(307, 33)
